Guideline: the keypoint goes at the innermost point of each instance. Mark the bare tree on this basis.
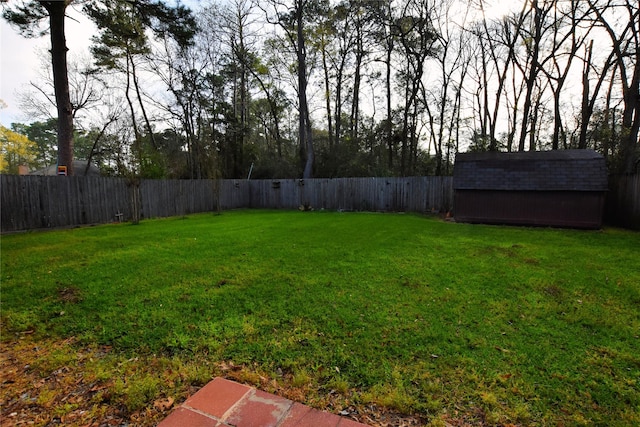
(621, 21)
(417, 36)
(565, 40)
(452, 62)
(590, 97)
(291, 17)
(530, 64)
(85, 85)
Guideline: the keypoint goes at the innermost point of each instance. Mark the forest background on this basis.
(324, 88)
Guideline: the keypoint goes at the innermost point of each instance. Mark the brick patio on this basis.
(224, 403)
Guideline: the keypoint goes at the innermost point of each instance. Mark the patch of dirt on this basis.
(554, 291)
(69, 294)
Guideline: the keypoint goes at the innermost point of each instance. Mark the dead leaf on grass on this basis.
(163, 404)
(230, 366)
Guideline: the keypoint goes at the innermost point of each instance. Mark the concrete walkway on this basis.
(224, 403)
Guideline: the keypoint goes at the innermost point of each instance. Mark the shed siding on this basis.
(537, 208)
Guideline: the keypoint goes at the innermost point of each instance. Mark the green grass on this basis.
(504, 324)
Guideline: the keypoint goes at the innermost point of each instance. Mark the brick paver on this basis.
(217, 397)
(224, 403)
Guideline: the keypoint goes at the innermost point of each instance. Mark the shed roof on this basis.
(79, 167)
(560, 170)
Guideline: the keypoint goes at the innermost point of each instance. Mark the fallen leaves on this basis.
(163, 404)
(49, 383)
(60, 383)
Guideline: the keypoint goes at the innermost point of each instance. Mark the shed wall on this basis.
(579, 209)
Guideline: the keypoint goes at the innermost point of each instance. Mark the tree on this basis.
(565, 28)
(292, 19)
(530, 65)
(497, 42)
(590, 97)
(236, 20)
(44, 135)
(15, 150)
(621, 21)
(124, 39)
(327, 31)
(452, 60)
(85, 90)
(417, 37)
(28, 16)
(361, 16)
(388, 40)
(195, 77)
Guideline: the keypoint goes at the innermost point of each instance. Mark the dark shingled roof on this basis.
(79, 167)
(560, 170)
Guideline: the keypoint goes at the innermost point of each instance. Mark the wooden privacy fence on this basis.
(623, 201)
(31, 202)
(412, 194)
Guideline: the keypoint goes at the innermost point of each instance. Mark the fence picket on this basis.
(622, 206)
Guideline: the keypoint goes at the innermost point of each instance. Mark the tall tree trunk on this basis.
(589, 100)
(59, 50)
(405, 127)
(306, 141)
(327, 90)
(244, 98)
(561, 77)
(455, 117)
(513, 113)
(585, 113)
(530, 77)
(446, 78)
(355, 105)
(390, 145)
(557, 121)
(631, 120)
(526, 111)
(485, 123)
(338, 109)
(533, 132)
(609, 119)
(134, 124)
(389, 47)
(136, 86)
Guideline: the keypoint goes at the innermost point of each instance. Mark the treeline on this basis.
(324, 88)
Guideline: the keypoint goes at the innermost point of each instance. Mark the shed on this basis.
(562, 188)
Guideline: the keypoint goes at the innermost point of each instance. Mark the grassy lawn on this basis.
(449, 322)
